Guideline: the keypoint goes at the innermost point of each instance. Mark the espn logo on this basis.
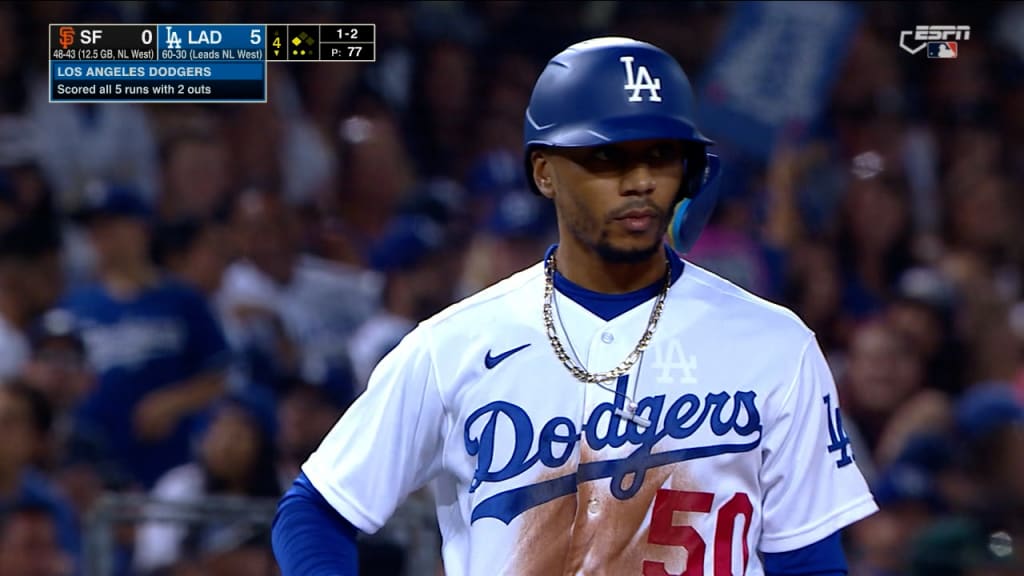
(942, 41)
(942, 50)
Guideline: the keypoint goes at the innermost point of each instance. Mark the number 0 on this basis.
(664, 532)
(147, 36)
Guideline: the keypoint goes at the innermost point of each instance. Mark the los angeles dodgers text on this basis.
(685, 416)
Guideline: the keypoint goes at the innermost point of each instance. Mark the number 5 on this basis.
(255, 37)
(665, 532)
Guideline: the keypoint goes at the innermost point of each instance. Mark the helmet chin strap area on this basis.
(691, 215)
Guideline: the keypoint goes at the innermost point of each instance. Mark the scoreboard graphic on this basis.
(197, 63)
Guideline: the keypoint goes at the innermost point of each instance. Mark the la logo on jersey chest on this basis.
(670, 364)
(640, 80)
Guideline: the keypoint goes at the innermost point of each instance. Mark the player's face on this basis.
(615, 200)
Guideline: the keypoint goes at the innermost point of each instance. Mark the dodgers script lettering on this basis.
(721, 412)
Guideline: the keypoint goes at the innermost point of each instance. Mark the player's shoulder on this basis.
(729, 304)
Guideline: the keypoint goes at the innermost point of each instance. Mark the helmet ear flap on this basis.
(695, 160)
(692, 212)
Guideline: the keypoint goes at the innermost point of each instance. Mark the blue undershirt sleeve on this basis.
(310, 538)
(823, 558)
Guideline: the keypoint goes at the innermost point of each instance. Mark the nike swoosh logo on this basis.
(492, 361)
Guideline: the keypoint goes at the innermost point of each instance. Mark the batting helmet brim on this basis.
(614, 130)
(617, 129)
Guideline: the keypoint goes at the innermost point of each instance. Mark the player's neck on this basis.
(590, 271)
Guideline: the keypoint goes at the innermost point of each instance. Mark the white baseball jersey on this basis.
(736, 448)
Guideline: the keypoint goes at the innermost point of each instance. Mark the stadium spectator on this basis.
(59, 370)
(157, 349)
(441, 115)
(517, 233)
(874, 242)
(883, 392)
(728, 245)
(814, 285)
(924, 314)
(416, 286)
(236, 458)
(989, 422)
(26, 419)
(195, 251)
(292, 311)
(376, 173)
(113, 143)
(30, 283)
(891, 230)
(960, 547)
(305, 413)
(29, 543)
(195, 176)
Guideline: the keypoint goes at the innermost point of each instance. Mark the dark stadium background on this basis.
(317, 228)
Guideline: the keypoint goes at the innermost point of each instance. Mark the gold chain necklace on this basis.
(556, 344)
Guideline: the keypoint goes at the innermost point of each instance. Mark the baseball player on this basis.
(612, 409)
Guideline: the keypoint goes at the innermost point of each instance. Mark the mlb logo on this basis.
(942, 50)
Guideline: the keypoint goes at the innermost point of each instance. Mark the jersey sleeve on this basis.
(388, 443)
(812, 484)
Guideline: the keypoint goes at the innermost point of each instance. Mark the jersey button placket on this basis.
(604, 353)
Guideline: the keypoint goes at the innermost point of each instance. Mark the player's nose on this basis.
(638, 179)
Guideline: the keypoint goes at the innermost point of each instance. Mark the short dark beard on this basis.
(584, 230)
(613, 255)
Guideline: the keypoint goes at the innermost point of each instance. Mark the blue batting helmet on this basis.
(607, 90)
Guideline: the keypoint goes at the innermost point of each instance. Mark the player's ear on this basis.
(542, 173)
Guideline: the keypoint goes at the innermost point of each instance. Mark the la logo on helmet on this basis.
(642, 81)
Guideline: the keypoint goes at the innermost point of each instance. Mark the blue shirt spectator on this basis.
(26, 419)
(158, 351)
(161, 338)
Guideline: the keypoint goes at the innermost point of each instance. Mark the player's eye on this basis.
(602, 159)
(667, 152)
(603, 154)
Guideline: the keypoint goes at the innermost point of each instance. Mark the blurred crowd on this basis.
(190, 295)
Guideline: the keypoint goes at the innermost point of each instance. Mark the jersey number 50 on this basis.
(665, 532)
